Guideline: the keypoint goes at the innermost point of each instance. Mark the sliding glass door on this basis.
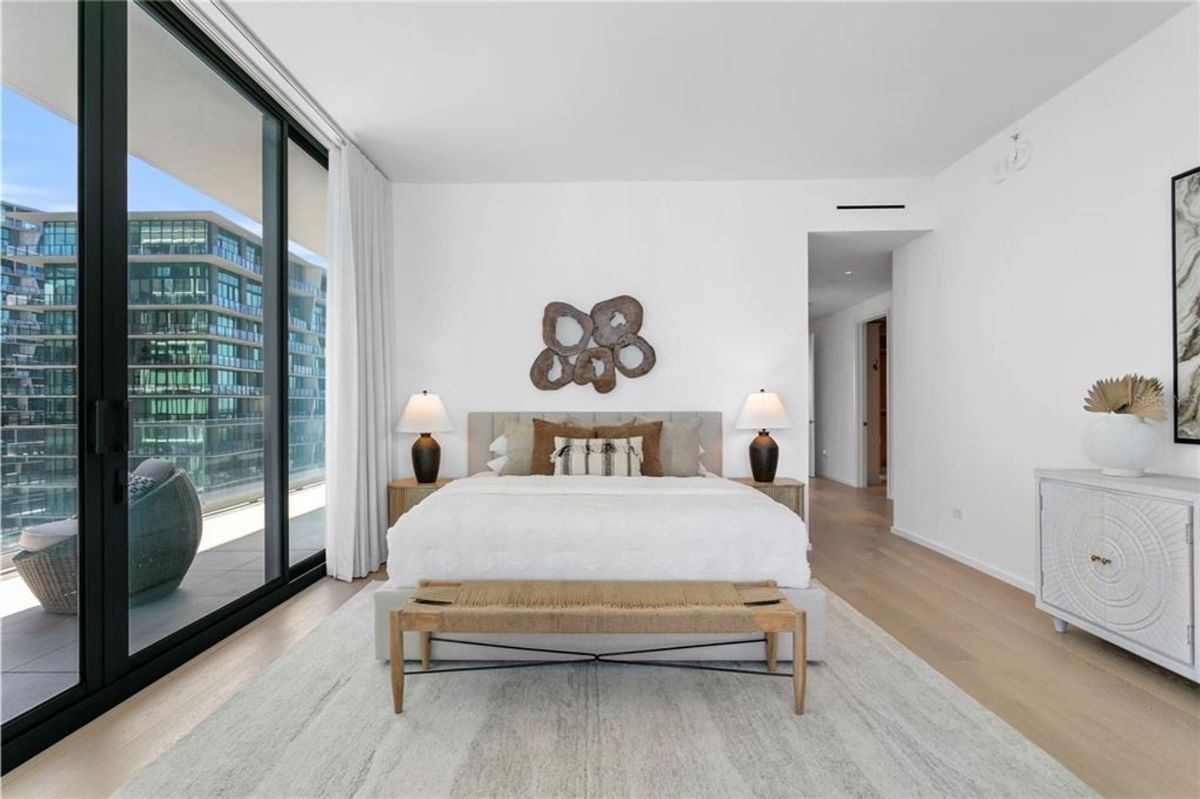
(308, 183)
(163, 356)
(196, 511)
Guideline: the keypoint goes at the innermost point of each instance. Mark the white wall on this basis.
(1029, 290)
(721, 269)
(838, 387)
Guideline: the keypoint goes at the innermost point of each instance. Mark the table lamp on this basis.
(763, 410)
(425, 414)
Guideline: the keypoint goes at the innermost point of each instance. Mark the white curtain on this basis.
(357, 423)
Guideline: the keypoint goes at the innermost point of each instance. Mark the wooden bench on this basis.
(552, 606)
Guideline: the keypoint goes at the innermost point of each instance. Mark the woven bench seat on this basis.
(557, 606)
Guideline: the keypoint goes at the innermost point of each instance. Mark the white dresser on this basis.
(1117, 557)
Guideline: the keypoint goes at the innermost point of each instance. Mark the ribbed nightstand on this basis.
(784, 490)
(404, 495)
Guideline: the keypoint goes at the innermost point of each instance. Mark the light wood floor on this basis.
(95, 760)
(1126, 727)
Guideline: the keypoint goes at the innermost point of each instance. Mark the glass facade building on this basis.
(195, 360)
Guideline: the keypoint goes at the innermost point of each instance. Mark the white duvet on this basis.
(598, 528)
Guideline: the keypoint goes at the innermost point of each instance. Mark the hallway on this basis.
(1092, 706)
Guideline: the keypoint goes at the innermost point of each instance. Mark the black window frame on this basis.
(108, 672)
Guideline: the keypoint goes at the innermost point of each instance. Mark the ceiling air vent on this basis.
(885, 207)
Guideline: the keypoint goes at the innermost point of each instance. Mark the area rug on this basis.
(880, 722)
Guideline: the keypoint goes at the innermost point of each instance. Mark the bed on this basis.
(599, 528)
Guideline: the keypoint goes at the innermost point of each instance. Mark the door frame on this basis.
(860, 398)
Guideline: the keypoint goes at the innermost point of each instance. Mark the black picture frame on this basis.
(1192, 435)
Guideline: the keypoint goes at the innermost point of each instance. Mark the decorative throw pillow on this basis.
(497, 463)
(519, 446)
(602, 457)
(544, 435)
(650, 433)
(499, 446)
(679, 447)
(140, 486)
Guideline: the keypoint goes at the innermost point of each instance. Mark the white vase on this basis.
(1122, 444)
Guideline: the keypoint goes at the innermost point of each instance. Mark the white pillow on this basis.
(500, 445)
(598, 457)
(496, 464)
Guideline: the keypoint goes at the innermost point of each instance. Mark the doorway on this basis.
(875, 402)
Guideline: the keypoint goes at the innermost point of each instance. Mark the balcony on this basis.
(39, 651)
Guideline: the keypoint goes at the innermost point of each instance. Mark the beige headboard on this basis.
(483, 428)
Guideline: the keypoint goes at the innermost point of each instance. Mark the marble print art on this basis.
(1187, 306)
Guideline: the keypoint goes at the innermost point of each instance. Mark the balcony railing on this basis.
(242, 335)
(240, 307)
(18, 250)
(199, 389)
(33, 296)
(196, 248)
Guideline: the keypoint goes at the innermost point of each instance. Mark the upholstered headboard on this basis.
(483, 428)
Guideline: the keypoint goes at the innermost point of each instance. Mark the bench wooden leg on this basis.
(397, 656)
(772, 648)
(800, 659)
(425, 650)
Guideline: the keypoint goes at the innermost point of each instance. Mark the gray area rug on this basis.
(880, 722)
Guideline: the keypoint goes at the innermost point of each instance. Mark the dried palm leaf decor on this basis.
(1131, 394)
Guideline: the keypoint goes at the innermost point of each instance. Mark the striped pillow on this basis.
(606, 457)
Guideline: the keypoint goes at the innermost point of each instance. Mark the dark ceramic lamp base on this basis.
(764, 457)
(427, 457)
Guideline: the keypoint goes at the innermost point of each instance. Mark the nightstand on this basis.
(784, 490)
(404, 495)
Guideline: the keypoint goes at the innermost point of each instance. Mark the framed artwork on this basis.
(1185, 194)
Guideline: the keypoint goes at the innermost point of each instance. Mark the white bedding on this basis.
(598, 528)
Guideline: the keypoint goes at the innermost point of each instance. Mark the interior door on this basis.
(873, 429)
(812, 405)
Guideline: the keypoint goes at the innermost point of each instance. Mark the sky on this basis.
(38, 169)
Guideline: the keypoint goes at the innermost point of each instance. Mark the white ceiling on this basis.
(867, 255)
(500, 91)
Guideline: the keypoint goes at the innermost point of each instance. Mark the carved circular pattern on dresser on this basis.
(1107, 559)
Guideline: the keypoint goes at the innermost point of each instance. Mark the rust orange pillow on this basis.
(651, 433)
(543, 442)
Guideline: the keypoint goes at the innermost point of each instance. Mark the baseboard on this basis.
(837, 480)
(967, 560)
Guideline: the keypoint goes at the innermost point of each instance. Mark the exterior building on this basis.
(195, 360)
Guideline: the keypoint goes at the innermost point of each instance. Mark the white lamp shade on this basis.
(424, 413)
(763, 410)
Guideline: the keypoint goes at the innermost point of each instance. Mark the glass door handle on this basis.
(110, 426)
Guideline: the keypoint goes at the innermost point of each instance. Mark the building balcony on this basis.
(240, 335)
(196, 389)
(39, 651)
(306, 288)
(36, 250)
(30, 296)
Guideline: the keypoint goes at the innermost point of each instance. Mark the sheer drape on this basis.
(357, 427)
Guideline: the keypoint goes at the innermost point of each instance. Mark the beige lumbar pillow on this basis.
(678, 447)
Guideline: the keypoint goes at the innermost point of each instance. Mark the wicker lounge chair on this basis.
(164, 533)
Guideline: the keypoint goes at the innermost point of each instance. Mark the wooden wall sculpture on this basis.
(611, 329)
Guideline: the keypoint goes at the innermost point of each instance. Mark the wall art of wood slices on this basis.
(593, 347)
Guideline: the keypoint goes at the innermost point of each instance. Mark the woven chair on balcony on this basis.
(164, 534)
